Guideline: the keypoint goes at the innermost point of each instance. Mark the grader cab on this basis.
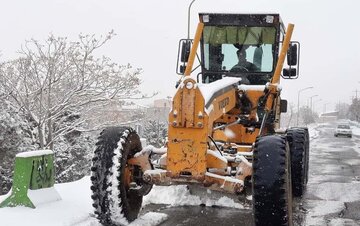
(223, 126)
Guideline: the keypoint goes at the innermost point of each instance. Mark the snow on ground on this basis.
(328, 196)
(73, 210)
(75, 207)
(179, 195)
(340, 221)
(356, 131)
(343, 192)
(313, 132)
(355, 128)
(320, 208)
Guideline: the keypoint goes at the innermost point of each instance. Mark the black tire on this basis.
(298, 139)
(271, 181)
(307, 152)
(114, 200)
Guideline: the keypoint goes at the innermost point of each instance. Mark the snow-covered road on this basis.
(332, 197)
(333, 192)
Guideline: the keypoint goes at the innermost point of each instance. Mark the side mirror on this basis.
(293, 59)
(183, 55)
(283, 106)
(182, 69)
(185, 50)
(292, 55)
(289, 73)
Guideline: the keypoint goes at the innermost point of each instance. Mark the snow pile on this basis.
(356, 131)
(313, 132)
(75, 209)
(179, 195)
(149, 219)
(34, 153)
(44, 195)
(355, 128)
(207, 90)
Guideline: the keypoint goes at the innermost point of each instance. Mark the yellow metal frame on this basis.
(194, 48)
(274, 86)
(188, 159)
(190, 124)
(189, 127)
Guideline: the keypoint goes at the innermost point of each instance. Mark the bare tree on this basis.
(354, 109)
(56, 81)
(343, 110)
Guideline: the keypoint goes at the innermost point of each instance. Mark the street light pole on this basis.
(298, 105)
(315, 101)
(189, 18)
(325, 106)
(311, 102)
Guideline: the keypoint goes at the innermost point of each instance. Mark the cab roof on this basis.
(233, 19)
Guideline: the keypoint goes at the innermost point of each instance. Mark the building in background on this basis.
(329, 116)
(158, 112)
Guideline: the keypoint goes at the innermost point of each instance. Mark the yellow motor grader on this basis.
(223, 129)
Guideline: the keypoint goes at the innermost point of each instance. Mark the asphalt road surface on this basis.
(332, 197)
(333, 192)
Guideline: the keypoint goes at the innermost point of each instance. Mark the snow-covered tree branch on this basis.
(54, 79)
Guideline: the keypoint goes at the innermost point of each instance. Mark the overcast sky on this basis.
(148, 32)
